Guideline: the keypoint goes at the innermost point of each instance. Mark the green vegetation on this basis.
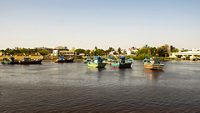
(162, 52)
(25, 51)
(43, 52)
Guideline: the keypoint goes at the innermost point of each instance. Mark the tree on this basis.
(153, 51)
(95, 48)
(44, 52)
(146, 51)
(99, 52)
(87, 52)
(163, 51)
(173, 49)
(110, 49)
(79, 51)
(24, 51)
(119, 50)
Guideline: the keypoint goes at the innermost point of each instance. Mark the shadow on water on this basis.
(98, 72)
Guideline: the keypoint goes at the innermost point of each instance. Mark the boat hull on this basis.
(65, 61)
(30, 62)
(9, 62)
(121, 65)
(154, 66)
(96, 65)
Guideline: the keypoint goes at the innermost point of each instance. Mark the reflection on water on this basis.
(74, 87)
(153, 74)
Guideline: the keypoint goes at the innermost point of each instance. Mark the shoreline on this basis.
(53, 59)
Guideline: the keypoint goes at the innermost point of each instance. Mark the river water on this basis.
(73, 87)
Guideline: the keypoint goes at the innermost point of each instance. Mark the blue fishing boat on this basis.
(62, 59)
(122, 63)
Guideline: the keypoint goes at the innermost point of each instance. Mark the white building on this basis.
(192, 54)
(131, 51)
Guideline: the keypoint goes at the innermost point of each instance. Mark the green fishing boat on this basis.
(6, 61)
(10, 60)
(97, 63)
(87, 60)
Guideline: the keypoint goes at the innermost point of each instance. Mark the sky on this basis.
(101, 23)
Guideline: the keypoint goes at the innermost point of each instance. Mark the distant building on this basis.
(59, 50)
(132, 51)
(189, 54)
(55, 53)
(196, 49)
(67, 53)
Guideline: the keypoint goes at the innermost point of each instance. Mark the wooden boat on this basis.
(27, 61)
(87, 60)
(123, 63)
(62, 59)
(153, 64)
(97, 63)
(9, 61)
(6, 61)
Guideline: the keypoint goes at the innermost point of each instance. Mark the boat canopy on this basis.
(98, 59)
(61, 58)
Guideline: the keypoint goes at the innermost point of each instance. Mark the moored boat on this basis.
(62, 59)
(153, 64)
(87, 60)
(6, 61)
(123, 63)
(27, 61)
(97, 63)
(10, 60)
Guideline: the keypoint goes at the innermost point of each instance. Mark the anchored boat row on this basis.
(152, 63)
(97, 62)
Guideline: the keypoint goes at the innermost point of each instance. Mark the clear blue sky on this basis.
(104, 23)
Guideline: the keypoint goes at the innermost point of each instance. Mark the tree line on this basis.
(145, 51)
(25, 51)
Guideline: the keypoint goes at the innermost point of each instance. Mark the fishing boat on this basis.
(111, 59)
(10, 60)
(87, 60)
(62, 59)
(6, 61)
(153, 64)
(97, 63)
(69, 60)
(27, 61)
(123, 63)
